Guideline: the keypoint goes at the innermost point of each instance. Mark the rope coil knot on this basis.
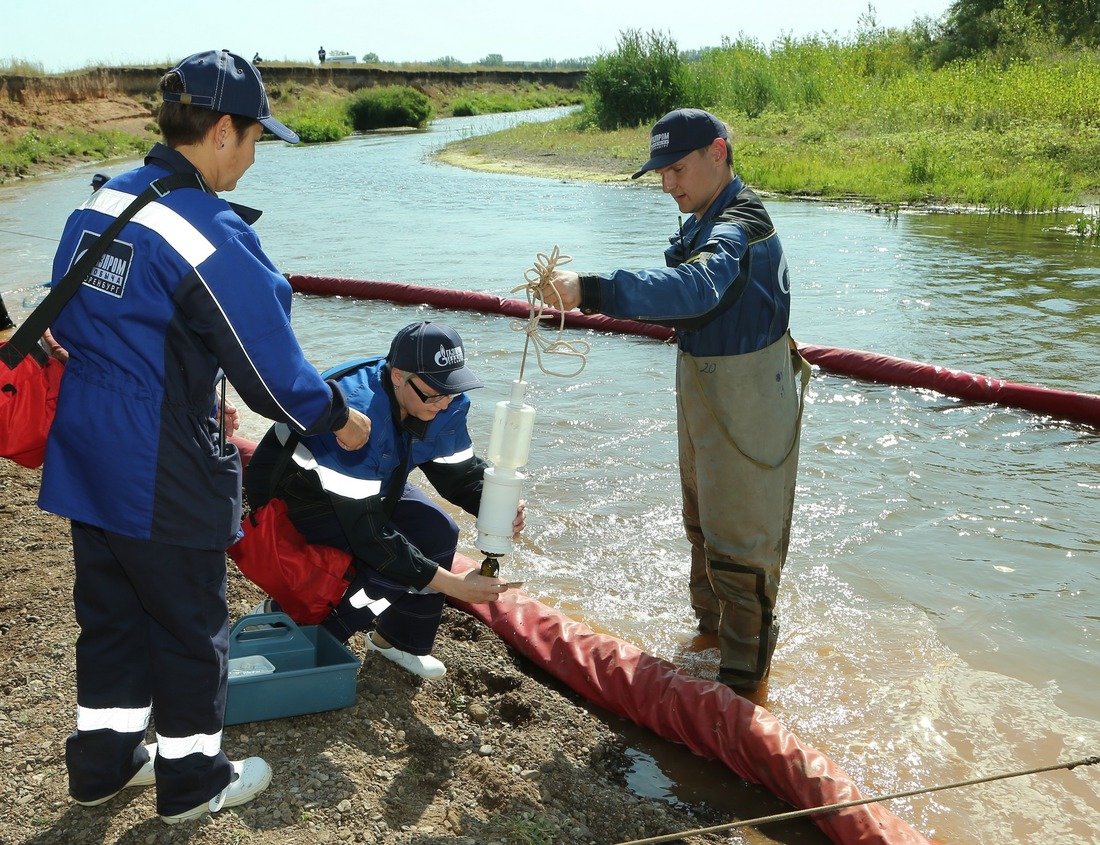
(539, 278)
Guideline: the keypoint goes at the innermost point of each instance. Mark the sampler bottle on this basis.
(509, 448)
(513, 423)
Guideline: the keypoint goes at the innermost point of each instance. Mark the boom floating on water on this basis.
(1060, 404)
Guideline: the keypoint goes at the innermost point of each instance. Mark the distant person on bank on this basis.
(401, 542)
(726, 290)
(135, 459)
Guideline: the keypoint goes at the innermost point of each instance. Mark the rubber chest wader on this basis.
(739, 424)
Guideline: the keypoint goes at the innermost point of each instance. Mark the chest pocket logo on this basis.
(113, 268)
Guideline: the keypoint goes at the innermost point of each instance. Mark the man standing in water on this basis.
(726, 290)
(181, 296)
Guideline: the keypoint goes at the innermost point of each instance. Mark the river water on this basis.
(941, 603)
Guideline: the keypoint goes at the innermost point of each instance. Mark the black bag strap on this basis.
(26, 336)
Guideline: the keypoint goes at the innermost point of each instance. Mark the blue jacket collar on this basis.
(176, 162)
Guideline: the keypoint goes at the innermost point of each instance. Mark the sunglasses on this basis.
(435, 398)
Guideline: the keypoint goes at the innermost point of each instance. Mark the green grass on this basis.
(866, 118)
(21, 67)
(33, 148)
(315, 114)
(500, 101)
(873, 121)
(524, 829)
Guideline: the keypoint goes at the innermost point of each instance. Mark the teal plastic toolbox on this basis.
(313, 671)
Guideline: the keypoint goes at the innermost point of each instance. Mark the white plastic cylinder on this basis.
(513, 424)
(500, 495)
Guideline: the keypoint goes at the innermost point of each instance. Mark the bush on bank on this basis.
(639, 82)
(382, 108)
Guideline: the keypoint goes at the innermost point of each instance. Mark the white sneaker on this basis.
(250, 778)
(262, 607)
(423, 665)
(142, 777)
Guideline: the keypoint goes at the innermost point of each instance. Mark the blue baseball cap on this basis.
(227, 83)
(99, 180)
(678, 133)
(434, 352)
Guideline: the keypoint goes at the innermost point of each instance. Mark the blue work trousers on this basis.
(412, 619)
(154, 636)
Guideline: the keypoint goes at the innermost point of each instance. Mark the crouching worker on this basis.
(401, 542)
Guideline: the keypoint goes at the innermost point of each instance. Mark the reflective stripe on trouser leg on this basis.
(113, 687)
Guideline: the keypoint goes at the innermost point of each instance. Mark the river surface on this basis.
(940, 607)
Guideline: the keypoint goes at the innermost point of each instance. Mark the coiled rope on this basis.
(540, 274)
(828, 808)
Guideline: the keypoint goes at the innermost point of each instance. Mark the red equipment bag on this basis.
(28, 400)
(306, 580)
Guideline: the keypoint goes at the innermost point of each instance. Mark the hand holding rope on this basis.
(539, 281)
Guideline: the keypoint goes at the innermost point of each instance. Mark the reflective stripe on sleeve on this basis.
(332, 481)
(123, 720)
(456, 458)
(178, 747)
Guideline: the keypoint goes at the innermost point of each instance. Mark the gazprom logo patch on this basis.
(452, 358)
(113, 268)
(658, 141)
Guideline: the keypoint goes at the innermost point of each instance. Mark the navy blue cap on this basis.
(99, 180)
(227, 83)
(434, 352)
(678, 133)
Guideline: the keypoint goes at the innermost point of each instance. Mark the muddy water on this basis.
(941, 605)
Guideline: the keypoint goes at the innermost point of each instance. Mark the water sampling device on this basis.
(509, 449)
(514, 422)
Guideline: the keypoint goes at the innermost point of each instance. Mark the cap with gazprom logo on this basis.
(678, 133)
(227, 83)
(434, 352)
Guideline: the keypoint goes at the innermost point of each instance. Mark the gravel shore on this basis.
(494, 752)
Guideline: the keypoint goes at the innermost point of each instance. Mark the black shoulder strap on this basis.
(27, 335)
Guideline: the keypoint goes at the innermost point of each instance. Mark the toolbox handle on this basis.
(265, 626)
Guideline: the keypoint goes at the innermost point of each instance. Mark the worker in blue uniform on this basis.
(402, 543)
(139, 457)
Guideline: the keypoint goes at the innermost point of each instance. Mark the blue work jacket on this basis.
(183, 294)
(726, 288)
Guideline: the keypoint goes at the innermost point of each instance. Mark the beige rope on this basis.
(795, 814)
(538, 277)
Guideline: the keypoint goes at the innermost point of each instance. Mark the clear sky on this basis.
(60, 35)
